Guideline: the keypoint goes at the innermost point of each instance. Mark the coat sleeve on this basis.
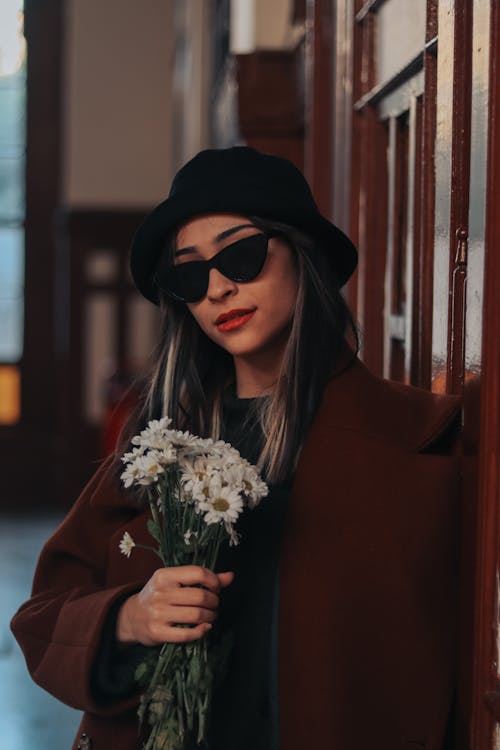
(60, 628)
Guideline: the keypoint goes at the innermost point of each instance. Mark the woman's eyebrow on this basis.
(217, 238)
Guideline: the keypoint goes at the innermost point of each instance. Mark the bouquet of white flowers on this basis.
(196, 490)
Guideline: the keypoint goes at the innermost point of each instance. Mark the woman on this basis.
(341, 597)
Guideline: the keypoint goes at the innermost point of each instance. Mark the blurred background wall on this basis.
(116, 103)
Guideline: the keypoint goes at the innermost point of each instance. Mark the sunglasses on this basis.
(241, 261)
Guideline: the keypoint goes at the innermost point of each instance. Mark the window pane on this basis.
(11, 189)
(12, 106)
(400, 35)
(11, 293)
(12, 145)
(12, 42)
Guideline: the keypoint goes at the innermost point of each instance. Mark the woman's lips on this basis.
(236, 322)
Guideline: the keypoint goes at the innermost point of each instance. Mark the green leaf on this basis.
(154, 530)
(141, 671)
(194, 670)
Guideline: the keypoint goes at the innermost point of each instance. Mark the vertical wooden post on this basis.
(318, 145)
(486, 706)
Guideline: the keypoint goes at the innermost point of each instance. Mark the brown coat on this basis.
(368, 579)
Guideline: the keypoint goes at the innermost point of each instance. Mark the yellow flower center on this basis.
(221, 504)
(247, 485)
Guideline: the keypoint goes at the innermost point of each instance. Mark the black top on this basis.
(245, 703)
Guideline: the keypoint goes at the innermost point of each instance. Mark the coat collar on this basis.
(354, 399)
(357, 399)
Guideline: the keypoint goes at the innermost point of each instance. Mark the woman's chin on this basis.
(249, 348)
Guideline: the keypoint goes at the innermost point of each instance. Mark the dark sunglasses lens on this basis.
(187, 282)
(243, 260)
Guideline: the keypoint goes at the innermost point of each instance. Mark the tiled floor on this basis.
(31, 718)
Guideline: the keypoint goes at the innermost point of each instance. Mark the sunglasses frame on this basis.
(214, 262)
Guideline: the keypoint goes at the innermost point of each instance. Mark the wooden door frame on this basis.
(486, 680)
(319, 84)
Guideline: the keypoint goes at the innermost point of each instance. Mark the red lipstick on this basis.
(233, 319)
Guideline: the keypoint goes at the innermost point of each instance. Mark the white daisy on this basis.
(196, 475)
(244, 476)
(185, 441)
(222, 504)
(225, 451)
(165, 455)
(150, 468)
(132, 455)
(132, 474)
(154, 434)
(126, 544)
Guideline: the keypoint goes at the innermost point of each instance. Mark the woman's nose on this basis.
(219, 286)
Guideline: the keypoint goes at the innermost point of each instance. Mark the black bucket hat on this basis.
(237, 180)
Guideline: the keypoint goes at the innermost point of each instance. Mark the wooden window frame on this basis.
(36, 432)
(370, 228)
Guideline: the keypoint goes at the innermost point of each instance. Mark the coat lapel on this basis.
(388, 410)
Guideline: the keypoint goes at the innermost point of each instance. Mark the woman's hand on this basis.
(168, 598)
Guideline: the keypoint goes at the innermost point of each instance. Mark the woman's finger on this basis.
(186, 595)
(190, 596)
(186, 575)
(188, 615)
(225, 578)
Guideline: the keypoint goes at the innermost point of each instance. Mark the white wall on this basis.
(117, 83)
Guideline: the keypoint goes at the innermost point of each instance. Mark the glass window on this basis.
(400, 35)
(12, 204)
(11, 293)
